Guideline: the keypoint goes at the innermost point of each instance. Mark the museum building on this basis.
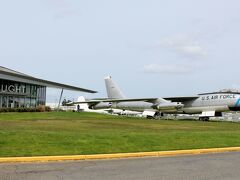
(21, 90)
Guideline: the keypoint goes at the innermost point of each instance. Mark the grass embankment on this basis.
(67, 133)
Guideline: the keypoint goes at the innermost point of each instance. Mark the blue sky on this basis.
(151, 48)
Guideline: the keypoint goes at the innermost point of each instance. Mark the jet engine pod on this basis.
(101, 105)
(169, 106)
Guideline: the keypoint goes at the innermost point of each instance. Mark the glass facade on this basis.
(17, 94)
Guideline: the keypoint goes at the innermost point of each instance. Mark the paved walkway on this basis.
(201, 167)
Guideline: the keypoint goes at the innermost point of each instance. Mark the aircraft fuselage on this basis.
(218, 102)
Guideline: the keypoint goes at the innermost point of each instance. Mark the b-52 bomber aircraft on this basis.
(206, 105)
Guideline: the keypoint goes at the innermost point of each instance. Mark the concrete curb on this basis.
(118, 155)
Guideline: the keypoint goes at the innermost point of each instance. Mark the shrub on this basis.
(23, 109)
(48, 109)
(41, 108)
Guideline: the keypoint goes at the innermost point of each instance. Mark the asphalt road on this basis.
(201, 167)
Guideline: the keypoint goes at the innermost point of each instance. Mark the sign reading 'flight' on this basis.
(12, 88)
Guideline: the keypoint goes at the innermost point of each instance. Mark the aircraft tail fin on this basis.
(83, 106)
(113, 91)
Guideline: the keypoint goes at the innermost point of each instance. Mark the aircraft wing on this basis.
(181, 99)
(150, 100)
(131, 100)
(113, 100)
(93, 102)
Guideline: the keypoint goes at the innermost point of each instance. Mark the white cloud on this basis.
(185, 46)
(167, 68)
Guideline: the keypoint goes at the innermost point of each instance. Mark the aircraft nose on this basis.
(238, 103)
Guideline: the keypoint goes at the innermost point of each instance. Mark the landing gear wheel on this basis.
(204, 118)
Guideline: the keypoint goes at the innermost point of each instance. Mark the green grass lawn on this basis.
(67, 133)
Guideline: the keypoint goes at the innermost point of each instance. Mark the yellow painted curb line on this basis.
(118, 155)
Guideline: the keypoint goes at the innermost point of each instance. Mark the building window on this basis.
(16, 94)
(4, 101)
(10, 102)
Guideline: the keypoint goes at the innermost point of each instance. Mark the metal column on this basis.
(60, 99)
